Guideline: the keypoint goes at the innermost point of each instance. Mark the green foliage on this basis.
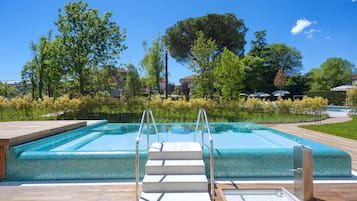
(110, 78)
(284, 105)
(88, 41)
(352, 98)
(202, 61)
(153, 62)
(345, 129)
(333, 72)
(333, 97)
(133, 83)
(260, 75)
(281, 56)
(297, 84)
(260, 47)
(8, 91)
(4, 103)
(23, 107)
(129, 109)
(229, 75)
(225, 29)
(45, 70)
(254, 79)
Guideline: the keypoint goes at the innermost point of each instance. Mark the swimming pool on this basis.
(107, 151)
(337, 111)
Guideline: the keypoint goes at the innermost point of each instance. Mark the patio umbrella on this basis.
(343, 88)
(243, 94)
(280, 93)
(260, 94)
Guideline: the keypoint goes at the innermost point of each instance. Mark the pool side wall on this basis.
(82, 166)
(33, 162)
(228, 164)
(257, 163)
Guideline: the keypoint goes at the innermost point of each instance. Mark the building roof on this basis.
(191, 77)
(354, 77)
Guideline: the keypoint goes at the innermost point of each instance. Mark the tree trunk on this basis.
(40, 83)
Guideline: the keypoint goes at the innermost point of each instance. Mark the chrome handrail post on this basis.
(202, 130)
(147, 131)
(137, 171)
(154, 124)
(204, 120)
(138, 137)
(212, 170)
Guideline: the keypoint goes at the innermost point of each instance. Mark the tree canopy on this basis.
(333, 72)
(229, 75)
(153, 62)
(225, 29)
(88, 40)
(281, 56)
(202, 61)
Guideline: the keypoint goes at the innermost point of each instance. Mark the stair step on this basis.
(174, 196)
(175, 150)
(175, 167)
(174, 183)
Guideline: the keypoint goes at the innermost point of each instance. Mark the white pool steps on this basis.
(179, 167)
(175, 150)
(175, 171)
(174, 196)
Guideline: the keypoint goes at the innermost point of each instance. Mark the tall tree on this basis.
(40, 61)
(133, 84)
(297, 84)
(333, 72)
(229, 75)
(110, 78)
(28, 76)
(88, 40)
(259, 46)
(254, 73)
(202, 61)
(53, 71)
(153, 62)
(281, 56)
(225, 29)
(280, 79)
(259, 73)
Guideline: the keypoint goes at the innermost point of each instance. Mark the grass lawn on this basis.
(345, 129)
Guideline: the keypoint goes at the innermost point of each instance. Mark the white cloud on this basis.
(300, 25)
(354, 0)
(310, 34)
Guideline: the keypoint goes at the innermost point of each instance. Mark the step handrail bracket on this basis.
(202, 120)
(147, 114)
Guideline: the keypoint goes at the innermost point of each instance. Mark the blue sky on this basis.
(319, 29)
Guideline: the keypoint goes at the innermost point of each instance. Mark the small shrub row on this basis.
(104, 106)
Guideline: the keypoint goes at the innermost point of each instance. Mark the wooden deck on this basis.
(126, 191)
(115, 192)
(17, 132)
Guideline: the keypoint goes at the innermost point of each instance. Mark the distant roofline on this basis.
(191, 77)
(354, 77)
(10, 81)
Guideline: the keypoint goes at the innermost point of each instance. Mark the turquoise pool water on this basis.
(107, 151)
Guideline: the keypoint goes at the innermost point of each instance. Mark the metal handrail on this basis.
(202, 115)
(138, 137)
